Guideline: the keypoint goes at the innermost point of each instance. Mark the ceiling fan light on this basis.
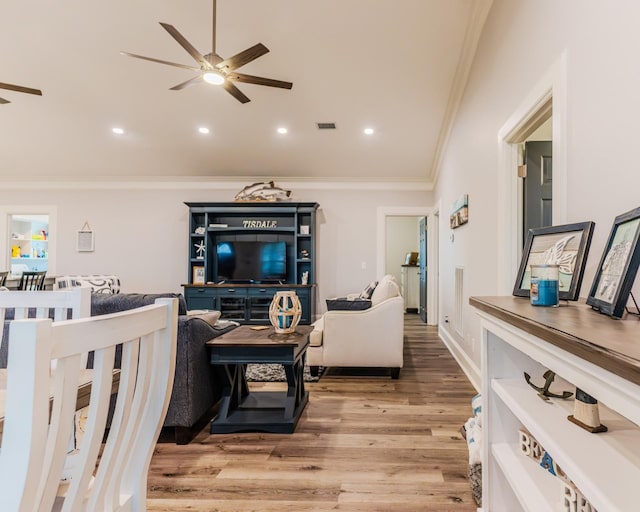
(212, 77)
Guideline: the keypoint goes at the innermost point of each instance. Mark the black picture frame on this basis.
(618, 266)
(566, 245)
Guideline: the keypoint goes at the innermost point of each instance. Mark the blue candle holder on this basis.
(544, 285)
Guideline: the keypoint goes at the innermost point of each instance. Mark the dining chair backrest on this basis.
(34, 439)
(32, 280)
(3, 277)
(57, 305)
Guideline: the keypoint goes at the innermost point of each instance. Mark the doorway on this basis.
(404, 257)
(28, 239)
(431, 260)
(546, 102)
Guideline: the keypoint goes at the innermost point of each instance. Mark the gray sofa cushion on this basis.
(104, 303)
(344, 304)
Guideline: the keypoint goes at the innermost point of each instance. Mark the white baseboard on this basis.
(470, 369)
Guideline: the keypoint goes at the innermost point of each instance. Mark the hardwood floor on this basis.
(364, 444)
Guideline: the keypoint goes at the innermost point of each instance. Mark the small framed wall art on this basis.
(459, 212)
(566, 246)
(85, 242)
(618, 266)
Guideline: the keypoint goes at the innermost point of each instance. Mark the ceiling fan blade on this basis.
(182, 41)
(3, 101)
(191, 81)
(258, 80)
(242, 58)
(151, 59)
(19, 88)
(235, 92)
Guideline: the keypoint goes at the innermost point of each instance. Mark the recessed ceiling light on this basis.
(117, 131)
(368, 131)
(204, 130)
(282, 130)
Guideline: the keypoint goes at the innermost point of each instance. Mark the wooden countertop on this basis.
(245, 336)
(607, 342)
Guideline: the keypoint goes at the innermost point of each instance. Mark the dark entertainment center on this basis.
(241, 253)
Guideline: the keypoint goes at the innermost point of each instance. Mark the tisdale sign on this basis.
(260, 224)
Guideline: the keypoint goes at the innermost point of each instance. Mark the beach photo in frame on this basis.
(566, 246)
(618, 266)
(198, 274)
(459, 212)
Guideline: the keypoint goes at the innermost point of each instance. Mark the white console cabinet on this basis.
(410, 287)
(594, 352)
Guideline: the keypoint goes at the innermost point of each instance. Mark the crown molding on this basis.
(479, 15)
(189, 183)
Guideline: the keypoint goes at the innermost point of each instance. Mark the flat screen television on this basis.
(255, 262)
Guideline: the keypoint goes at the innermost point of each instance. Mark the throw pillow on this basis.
(369, 289)
(209, 316)
(385, 290)
(344, 304)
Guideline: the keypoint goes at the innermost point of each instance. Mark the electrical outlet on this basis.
(446, 319)
(363, 265)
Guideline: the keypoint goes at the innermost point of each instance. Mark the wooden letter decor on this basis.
(534, 450)
(572, 499)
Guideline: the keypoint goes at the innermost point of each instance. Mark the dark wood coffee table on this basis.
(265, 411)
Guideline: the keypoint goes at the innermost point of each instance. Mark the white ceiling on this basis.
(389, 64)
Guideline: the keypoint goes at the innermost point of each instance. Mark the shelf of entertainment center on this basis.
(236, 229)
(250, 299)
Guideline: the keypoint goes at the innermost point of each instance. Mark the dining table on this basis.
(82, 400)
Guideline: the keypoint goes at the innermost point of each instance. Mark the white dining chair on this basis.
(34, 440)
(75, 303)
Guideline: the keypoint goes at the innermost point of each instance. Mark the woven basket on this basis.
(474, 473)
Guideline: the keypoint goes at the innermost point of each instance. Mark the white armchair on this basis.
(368, 338)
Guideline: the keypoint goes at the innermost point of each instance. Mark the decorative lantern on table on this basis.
(285, 311)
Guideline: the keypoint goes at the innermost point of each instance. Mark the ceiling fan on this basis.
(214, 69)
(18, 88)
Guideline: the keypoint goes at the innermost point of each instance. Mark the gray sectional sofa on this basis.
(196, 387)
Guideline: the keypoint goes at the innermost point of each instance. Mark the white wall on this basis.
(402, 237)
(522, 39)
(141, 234)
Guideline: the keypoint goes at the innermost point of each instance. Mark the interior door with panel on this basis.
(537, 186)
(422, 308)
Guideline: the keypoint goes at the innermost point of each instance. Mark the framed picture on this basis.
(618, 266)
(411, 258)
(85, 242)
(198, 274)
(566, 246)
(459, 212)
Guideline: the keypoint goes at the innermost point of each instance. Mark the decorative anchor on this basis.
(544, 392)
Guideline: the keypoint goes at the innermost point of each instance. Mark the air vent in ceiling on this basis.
(326, 126)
